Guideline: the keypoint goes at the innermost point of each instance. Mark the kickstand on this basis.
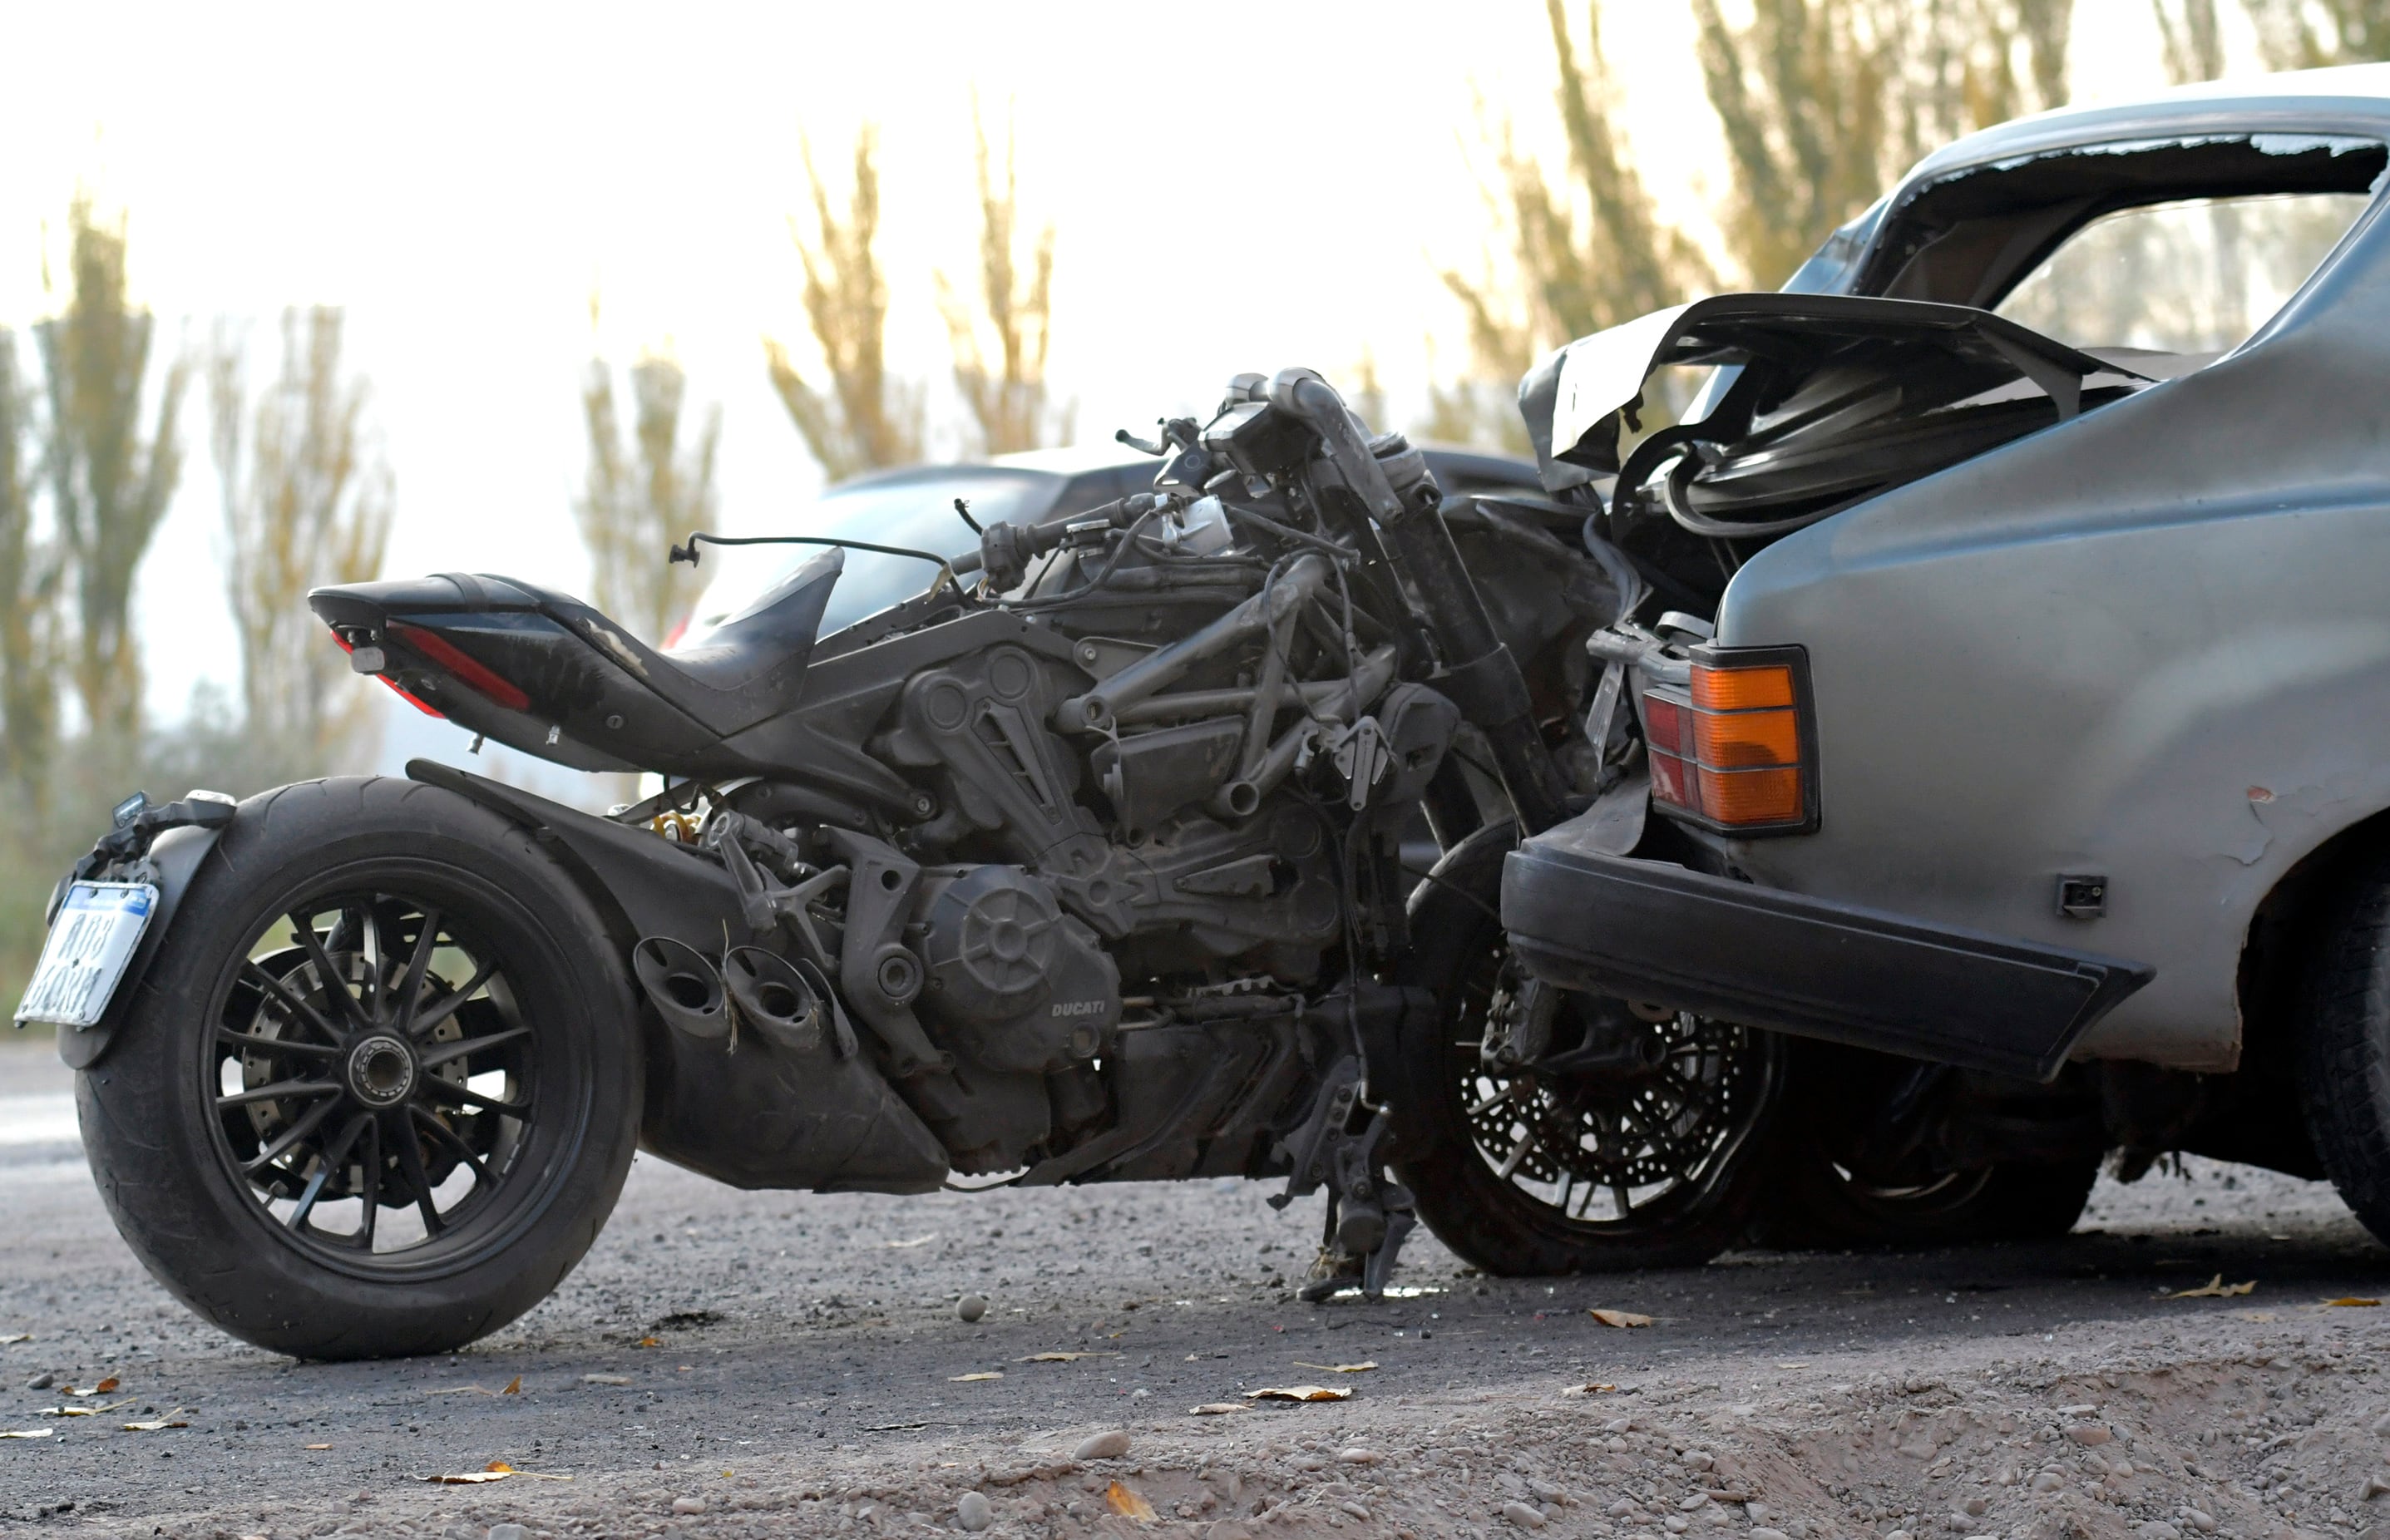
(1378, 1265)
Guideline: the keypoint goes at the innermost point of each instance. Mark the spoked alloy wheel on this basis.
(1612, 1146)
(378, 1089)
(375, 1077)
(1597, 1149)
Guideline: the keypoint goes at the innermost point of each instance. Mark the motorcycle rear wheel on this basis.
(378, 1091)
(1509, 1169)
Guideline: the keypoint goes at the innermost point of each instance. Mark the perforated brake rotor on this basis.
(1641, 1131)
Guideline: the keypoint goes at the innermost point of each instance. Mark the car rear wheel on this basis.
(1535, 1167)
(379, 1088)
(2343, 1050)
(1833, 1183)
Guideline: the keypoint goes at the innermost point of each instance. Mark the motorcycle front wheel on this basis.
(1522, 1173)
(379, 1088)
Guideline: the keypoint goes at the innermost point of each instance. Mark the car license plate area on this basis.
(91, 941)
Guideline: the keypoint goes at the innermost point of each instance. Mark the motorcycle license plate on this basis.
(97, 928)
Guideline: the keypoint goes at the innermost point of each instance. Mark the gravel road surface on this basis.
(737, 1363)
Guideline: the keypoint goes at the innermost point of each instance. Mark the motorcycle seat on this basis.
(747, 670)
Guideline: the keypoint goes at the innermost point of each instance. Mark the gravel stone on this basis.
(1525, 1517)
(2090, 1435)
(510, 1531)
(970, 1307)
(1103, 1446)
(688, 1504)
(974, 1512)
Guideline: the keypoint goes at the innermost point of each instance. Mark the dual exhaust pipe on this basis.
(789, 1004)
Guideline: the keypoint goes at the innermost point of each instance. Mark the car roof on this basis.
(2349, 98)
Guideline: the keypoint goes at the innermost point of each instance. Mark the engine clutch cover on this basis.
(990, 941)
(1013, 983)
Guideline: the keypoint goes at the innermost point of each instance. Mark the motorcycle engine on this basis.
(1014, 985)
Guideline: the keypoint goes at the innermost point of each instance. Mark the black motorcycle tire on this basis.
(2343, 1044)
(1484, 1219)
(155, 1137)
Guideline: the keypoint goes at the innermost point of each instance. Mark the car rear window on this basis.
(2193, 277)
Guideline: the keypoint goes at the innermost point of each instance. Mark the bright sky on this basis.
(1237, 186)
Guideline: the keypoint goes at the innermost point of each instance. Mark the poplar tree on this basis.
(644, 494)
(1007, 396)
(110, 483)
(28, 722)
(860, 417)
(1825, 103)
(2304, 35)
(308, 500)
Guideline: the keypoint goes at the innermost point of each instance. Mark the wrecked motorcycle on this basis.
(1089, 869)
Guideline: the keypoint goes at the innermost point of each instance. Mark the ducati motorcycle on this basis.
(1083, 863)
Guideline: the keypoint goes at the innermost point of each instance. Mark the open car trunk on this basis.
(1819, 401)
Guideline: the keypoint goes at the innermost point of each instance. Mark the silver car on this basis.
(2002, 714)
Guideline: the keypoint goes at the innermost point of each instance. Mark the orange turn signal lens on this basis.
(1741, 740)
(1741, 690)
(1734, 797)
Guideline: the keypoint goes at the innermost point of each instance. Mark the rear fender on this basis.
(655, 887)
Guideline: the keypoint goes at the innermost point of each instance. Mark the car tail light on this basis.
(1734, 749)
(468, 671)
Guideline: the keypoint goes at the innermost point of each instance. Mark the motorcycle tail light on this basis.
(468, 671)
(348, 645)
(1733, 750)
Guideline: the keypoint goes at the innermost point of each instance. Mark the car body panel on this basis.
(2150, 643)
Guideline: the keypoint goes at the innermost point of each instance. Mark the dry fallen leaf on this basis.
(501, 1467)
(1299, 1392)
(2356, 1299)
(909, 1245)
(172, 1419)
(28, 1432)
(514, 1386)
(2214, 1289)
(1128, 1504)
(469, 1478)
(967, 1379)
(1339, 1368)
(1599, 1389)
(1215, 1408)
(315, 1446)
(651, 1342)
(1064, 1357)
(64, 1411)
(2263, 1318)
(1619, 1317)
(13, 1338)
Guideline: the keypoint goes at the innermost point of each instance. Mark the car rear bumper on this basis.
(1649, 931)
